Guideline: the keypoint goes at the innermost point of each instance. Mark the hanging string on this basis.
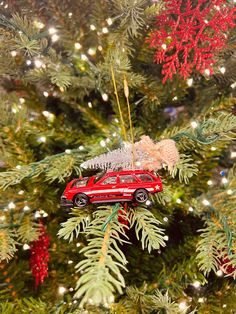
(126, 92)
(118, 104)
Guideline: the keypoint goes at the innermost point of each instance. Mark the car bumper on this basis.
(65, 202)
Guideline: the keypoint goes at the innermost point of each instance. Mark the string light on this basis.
(190, 209)
(224, 306)
(207, 72)
(2, 218)
(70, 262)
(71, 289)
(182, 305)
(229, 192)
(209, 182)
(13, 53)
(197, 284)
(70, 14)
(163, 46)
(148, 202)
(190, 81)
(175, 98)
(81, 147)
(100, 48)
(18, 167)
(38, 24)
(38, 63)
(84, 57)
(77, 45)
(45, 94)
(11, 205)
(213, 148)
(28, 62)
(78, 244)
(224, 180)
(55, 37)
(92, 27)
(21, 192)
(233, 155)
(205, 202)
(91, 51)
(90, 105)
(52, 30)
(166, 238)
(22, 100)
(233, 85)
(61, 290)
(194, 124)
(105, 97)
(219, 273)
(26, 247)
(68, 151)
(105, 30)
(165, 219)
(109, 21)
(103, 143)
(26, 208)
(222, 70)
(42, 139)
(178, 201)
(201, 300)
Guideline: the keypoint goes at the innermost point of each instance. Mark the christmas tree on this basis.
(134, 99)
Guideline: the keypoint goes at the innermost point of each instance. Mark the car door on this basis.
(106, 189)
(128, 184)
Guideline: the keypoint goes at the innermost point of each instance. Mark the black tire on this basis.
(81, 200)
(141, 195)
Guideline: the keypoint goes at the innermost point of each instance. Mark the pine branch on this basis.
(74, 225)
(7, 244)
(28, 230)
(185, 169)
(146, 228)
(101, 275)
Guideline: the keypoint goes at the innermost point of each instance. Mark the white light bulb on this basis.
(68, 151)
(233, 155)
(166, 238)
(175, 98)
(70, 262)
(37, 214)
(207, 72)
(229, 192)
(190, 81)
(201, 300)
(105, 30)
(77, 46)
(222, 70)
(92, 27)
(26, 208)
(109, 21)
(55, 37)
(13, 53)
(148, 202)
(70, 14)
(178, 201)
(194, 124)
(217, 7)
(224, 180)
(116, 120)
(78, 244)
(91, 51)
(163, 46)
(71, 289)
(81, 147)
(165, 219)
(233, 85)
(38, 24)
(2, 218)
(11, 205)
(100, 48)
(61, 290)
(224, 306)
(213, 148)
(206, 21)
(45, 94)
(13, 110)
(196, 284)
(26, 247)
(190, 209)
(28, 62)
(103, 143)
(38, 63)
(52, 30)
(90, 104)
(206, 202)
(21, 192)
(42, 139)
(209, 182)
(182, 305)
(105, 97)
(84, 57)
(219, 273)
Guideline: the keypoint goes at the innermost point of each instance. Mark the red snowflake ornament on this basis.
(39, 256)
(190, 34)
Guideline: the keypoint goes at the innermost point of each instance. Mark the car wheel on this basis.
(141, 196)
(81, 200)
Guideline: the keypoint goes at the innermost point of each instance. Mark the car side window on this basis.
(127, 179)
(144, 177)
(109, 180)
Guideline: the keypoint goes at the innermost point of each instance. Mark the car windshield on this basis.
(99, 176)
(80, 182)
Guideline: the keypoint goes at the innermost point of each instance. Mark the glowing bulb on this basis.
(182, 305)
(229, 192)
(206, 202)
(81, 147)
(178, 201)
(233, 85)
(233, 155)
(38, 24)
(213, 148)
(26, 208)
(196, 284)
(45, 94)
(21, 192)
(61, 290)
(13, 53)
(109, 21)
(209, 182)
(224, 180)
(219, 273)
(70, 262)
(194, 124)
(11, 205)
(103, 143)
(77, 46)
(163, 46)
(190, 82)
(222, 70)
(2, 218)
(70, 14)
(201, 300)
(71, 289)
(52, 30)
(84, 57)
(105, 30)
(224, 305)
(206, 21)
(14, 110)
(55, 37)
(38, 63)
(26, 247)
(37, 214)
(68, 151)
(78, 244)
(207, 72)
(165, 219)
(105, 97)
(166, 238)
(92, 27)
(90, 104)
(217, 7)
(28, 62)
(100, 48)
(175, 98)
(42, 139)
(91, 51)
(190, 209)
(148, 202)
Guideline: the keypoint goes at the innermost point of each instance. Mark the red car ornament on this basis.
(112, 186)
